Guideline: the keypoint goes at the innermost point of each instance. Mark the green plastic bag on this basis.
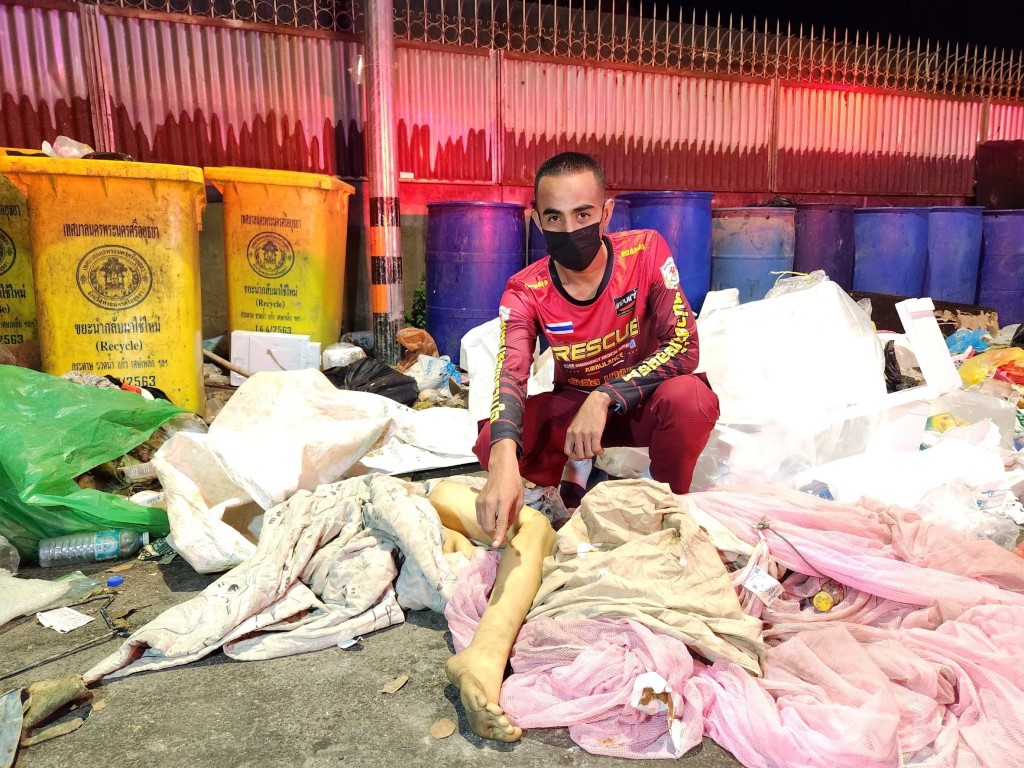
(53, 430)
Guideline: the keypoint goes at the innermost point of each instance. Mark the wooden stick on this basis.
(226, 363)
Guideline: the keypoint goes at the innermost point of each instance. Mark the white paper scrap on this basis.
(63, 619)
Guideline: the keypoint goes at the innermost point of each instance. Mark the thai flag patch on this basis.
(556, 329)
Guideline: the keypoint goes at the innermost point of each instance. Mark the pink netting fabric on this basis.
(921, 664)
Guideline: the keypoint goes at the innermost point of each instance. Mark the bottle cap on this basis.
(115, 581)
(823, 601)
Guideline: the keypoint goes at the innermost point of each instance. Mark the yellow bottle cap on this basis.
(823, 601)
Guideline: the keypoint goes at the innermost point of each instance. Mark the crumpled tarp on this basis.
(324, 572)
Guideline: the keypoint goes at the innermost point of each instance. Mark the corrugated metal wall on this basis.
(203, 95)
(652, 130)
(1005, 121)
(43, 86)
(870, 143)
(447, 114)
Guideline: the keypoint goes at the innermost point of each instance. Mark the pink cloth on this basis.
(920, 662)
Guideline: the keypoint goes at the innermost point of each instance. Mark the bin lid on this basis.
(223, 174)
(21, 151)
(894, 210)
(63, 166)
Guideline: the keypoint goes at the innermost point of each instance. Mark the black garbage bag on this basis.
(369, 375)
(895, 381)
(1018, 337)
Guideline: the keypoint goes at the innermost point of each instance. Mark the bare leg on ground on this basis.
(479, 670)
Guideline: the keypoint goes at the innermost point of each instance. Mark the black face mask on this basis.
(574, 250)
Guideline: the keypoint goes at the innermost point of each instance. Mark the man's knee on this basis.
(685, 398)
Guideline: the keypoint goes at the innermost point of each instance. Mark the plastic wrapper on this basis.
(956, 505)
(52, 431)
(433, 373)
(983, 366)
(796, 282)
(965, 339)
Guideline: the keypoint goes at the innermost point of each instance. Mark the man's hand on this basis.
(498, 504)
(583, 440)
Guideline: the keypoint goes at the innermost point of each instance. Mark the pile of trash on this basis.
(844, 587)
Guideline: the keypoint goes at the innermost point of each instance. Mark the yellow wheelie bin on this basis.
(115, 262)
(17, 297)
(284, 248)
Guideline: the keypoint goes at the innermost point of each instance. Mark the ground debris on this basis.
(395, 685)
(443, 728)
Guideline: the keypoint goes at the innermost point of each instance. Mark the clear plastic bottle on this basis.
(9, 557)
(90, 547)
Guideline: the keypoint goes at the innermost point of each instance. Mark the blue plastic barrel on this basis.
(824, 240)
(620, 221)
(684, 220)
(748, 244)
(1001, 280)
(891, 250)
(954, 252)
(473, 248)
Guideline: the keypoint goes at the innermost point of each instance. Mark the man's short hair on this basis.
(566, 163)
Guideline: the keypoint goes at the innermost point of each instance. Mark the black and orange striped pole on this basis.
(385, 236)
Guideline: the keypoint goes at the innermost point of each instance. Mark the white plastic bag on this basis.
(67, 148)
(800, 356)
(433, 372)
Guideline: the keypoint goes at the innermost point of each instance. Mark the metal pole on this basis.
(385, 242)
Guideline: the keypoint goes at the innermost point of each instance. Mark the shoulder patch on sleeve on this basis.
(670, 274)
(504, 313)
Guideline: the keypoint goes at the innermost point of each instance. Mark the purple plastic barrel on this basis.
(824, 240)
(954, 252)
(1001, 279)
(473, 248)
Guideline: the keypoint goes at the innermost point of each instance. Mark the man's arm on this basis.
(502, 495)
(677, 352)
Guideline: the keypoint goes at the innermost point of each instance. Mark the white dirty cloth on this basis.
(631, 552)
(280, 433)
(24, 596)
(324, 572)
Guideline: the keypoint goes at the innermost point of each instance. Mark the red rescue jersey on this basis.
(636, 332)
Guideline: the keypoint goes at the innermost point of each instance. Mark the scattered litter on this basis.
(342, 354)
(122, 567)
(63, 620)
(395, 685)
(442, 728)
(256, 351)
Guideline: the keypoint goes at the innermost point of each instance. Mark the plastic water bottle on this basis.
(9, 557)
(90, 547)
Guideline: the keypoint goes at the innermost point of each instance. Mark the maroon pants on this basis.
(674, 423)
